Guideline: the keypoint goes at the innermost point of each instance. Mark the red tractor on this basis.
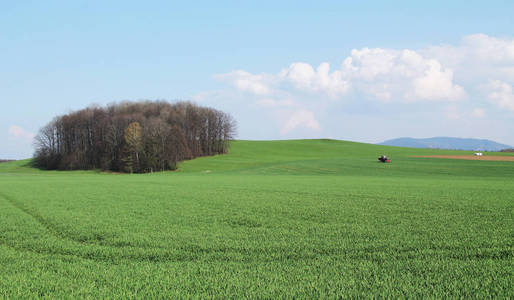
(384, 159)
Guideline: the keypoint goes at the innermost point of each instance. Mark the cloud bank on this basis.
(472, 80)
(501, 94)
(384, 74)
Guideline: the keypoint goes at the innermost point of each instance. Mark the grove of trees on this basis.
(134, 137)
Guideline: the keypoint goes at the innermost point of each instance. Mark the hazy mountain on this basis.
(447, 143)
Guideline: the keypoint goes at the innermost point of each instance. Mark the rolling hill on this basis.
(270, 219)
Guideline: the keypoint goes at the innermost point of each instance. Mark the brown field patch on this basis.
(470, 157)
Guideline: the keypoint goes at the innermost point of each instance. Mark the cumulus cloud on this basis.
(501, 94)
(435, 81)
(300, 119)
(477, 57)
(18, 132)
(303, 77)
(489, 49)
(436, 73)
(436, 84)
(406, 75)
(385, 74)
(245, 81)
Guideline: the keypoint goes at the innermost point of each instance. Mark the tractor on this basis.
(384, 159)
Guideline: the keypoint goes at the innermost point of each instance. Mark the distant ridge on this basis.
(447, 143)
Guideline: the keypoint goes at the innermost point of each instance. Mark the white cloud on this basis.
(429, 81)
(489, 49)
(501, 94)
(477, 58)
(437, 84)
(244, 81)
(385, 74)
(368, 64)
(300, 119)
(303, 77)
(389, 74)
(436, 73)
(21, 133)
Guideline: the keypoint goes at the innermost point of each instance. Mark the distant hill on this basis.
(447, 143)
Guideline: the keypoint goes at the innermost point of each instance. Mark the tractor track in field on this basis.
(49, 226)
(234, 254)
(112, 253)
(54, 230)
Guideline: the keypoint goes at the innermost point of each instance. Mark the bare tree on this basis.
(133, 136)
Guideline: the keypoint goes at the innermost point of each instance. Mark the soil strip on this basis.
(470, 157)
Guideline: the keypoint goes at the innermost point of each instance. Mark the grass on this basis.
(277, 219)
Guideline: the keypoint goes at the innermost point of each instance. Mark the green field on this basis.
(278, 219)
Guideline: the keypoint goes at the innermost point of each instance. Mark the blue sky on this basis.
(357, 70)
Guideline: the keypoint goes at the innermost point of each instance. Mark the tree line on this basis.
(133, 137)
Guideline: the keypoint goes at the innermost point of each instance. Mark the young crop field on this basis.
(274, 219)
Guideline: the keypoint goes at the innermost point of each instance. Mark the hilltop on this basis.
(303, 219)
(317, 157)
